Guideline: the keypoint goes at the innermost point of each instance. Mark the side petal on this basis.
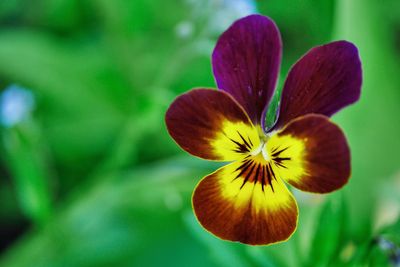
(311, 153)
(246, 62)
(237, 208)
(211, 125)
(325, 80)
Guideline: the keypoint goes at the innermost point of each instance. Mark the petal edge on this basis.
(246, 62)
(326, 79)
(316, 152)
(246, 214)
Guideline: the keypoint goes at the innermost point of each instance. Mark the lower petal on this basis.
(311, 153)
(238, 203)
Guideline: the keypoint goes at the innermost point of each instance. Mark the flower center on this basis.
(261, 162)
(261, 151)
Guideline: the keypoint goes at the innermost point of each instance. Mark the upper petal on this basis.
(211, 125)
(311, 153)
(240, 203)
(246, 62)
(323, 81)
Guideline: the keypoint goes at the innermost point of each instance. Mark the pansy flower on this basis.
(248, 200)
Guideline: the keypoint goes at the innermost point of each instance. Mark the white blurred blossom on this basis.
(207, 19)
(228, 11)
(218, 15)
(16, 104)
(184, 29)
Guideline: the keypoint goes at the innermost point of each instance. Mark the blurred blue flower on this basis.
(16, 104)
(389, 246)
(184, 29)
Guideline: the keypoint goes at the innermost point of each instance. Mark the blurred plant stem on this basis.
(25, 154)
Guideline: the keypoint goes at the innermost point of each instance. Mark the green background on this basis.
(90, 177)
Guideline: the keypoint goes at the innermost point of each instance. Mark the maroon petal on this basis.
(311, 153)
(246, 63)
(210, 124)
(325, 80)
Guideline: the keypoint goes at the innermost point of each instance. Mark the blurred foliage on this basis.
(90, 177)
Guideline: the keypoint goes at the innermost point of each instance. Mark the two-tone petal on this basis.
(246, 62)
(247, 200)
(311, 153)
(325, 80)
(244, 202)
(210, 124)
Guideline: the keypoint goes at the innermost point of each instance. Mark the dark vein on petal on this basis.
(272, 172)
(275, 149)
(248, 175)
(270, 176)
(279, 160)
(244, 168)
(240, 148)
(244, 163)
(282, 159)
(248, 137)
(275, 154)
(263, 177)
(257, 172)
(280, 165)
(244, 140)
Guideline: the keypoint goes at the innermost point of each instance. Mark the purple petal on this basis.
(246, 63)
(323, 81)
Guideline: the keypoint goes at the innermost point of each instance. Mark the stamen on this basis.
(265, 155)
(258, 150)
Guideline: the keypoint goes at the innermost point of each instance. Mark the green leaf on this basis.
(224, 253)
(329, 231)
(130, 218)
(26, 157)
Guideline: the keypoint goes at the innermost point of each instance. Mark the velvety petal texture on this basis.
(246, 62)
(247, 200)
(323, 81)
(233, 204)
(311, 153)
(210, 124)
